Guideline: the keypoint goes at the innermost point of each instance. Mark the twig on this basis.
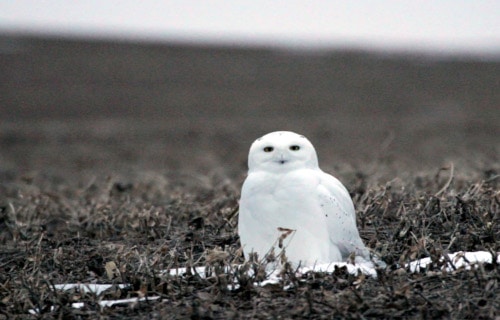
(492, 178)
(233, 213)
(447, 184)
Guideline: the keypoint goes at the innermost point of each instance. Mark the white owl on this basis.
(286, 190)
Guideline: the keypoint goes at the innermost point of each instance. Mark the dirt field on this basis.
(135, 154)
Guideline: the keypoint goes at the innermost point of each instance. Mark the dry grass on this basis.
(146, 226)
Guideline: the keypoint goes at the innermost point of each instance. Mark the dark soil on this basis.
(135, 154)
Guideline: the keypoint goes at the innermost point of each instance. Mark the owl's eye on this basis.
(294, 148)
(268, 149)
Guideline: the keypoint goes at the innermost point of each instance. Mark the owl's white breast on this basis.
(288, 200)
(280, 196)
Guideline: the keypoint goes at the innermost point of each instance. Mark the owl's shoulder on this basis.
(332, 184)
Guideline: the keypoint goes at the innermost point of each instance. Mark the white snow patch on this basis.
(455, 260)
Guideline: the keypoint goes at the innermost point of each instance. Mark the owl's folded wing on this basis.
(338, 208)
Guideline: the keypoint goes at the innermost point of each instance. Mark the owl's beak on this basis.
(282, 159)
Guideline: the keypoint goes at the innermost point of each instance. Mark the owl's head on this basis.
(282, 151)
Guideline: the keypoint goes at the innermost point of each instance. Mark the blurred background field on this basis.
(117, 105)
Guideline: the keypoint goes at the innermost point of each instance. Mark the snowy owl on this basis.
(288, 202)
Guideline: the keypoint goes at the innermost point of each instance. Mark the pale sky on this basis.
(453, 26)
